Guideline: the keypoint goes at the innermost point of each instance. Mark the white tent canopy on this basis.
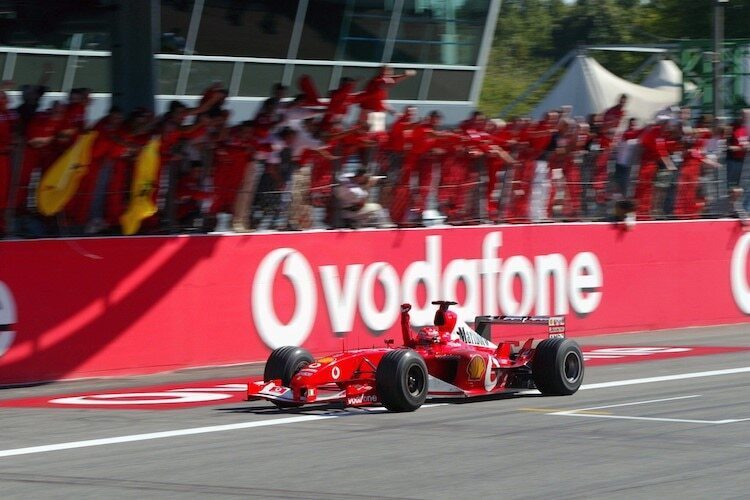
(590, 88)
(665, 73)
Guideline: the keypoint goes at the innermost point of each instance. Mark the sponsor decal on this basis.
(489, 283)
(362, 399)
(326, 360)
(8, 319)
(489, 381)
(475, 368)
(335, 372)
(556, 321)
(166, 397)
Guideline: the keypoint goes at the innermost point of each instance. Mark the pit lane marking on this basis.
(587, 412)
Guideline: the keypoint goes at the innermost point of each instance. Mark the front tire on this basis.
(402, 380)
(284, 363)
(557, 367)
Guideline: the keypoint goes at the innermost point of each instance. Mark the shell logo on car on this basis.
(475, 368)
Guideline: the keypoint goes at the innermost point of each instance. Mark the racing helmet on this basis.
(445, 321)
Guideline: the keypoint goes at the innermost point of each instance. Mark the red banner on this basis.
(91, 307)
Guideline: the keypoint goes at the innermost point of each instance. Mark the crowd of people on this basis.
(309, 162)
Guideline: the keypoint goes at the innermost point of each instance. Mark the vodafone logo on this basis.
(297, 270)
(738, 274)
(549, 284)
(8, 319)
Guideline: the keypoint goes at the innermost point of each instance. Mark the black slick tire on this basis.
(284, 363)
(402, 380)
(557, 367)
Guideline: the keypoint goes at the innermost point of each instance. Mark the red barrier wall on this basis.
(90, 307)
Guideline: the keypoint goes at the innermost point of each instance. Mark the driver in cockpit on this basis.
(445, 322)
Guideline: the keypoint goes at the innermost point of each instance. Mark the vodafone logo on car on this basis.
(489, 282)
(8, 318)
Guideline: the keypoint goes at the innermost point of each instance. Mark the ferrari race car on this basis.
(447, 360)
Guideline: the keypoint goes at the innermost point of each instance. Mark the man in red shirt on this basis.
(340, 101)
(614, 115)
(375, 95)
(420, 160)
(654, 150)
(738, 146)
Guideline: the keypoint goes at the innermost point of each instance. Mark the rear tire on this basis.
(402, 380)
(557, 368)
(284, 363)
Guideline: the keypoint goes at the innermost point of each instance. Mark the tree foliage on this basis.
(532, 34)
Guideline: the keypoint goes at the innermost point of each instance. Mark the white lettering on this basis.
(424, 271)
(517, 285)
(551, 268)
(467, 271)
(379, 320)
(517, 266)
(738, 274)
(341, 302)
(490, 269)
(585, 280)
(297, 270)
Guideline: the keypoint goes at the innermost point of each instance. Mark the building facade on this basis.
(249, 45)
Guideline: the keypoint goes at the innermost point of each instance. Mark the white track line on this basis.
(650, 419)
(665, 378)
(183, 432)
(310, 418)
(566, 412)
(160, 435)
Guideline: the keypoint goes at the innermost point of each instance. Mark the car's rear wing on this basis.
(555, 324)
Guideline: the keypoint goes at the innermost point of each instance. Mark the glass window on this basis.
(30, 68)
(408, 88)
(364, 30)
(440, 31)
(257, 79)
(94, 73)
(321, 76)
(322, 29)
(169, 72)
(203, 73)
(52, 24)
(261, 28)
(175, 21)
(450, 85)
(2, 63)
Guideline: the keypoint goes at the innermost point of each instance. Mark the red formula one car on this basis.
(448, 360)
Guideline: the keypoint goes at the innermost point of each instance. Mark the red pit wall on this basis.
(92, 307)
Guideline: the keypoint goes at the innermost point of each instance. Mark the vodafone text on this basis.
(488, 281)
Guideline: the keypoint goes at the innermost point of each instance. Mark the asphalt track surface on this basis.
(665, 428)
